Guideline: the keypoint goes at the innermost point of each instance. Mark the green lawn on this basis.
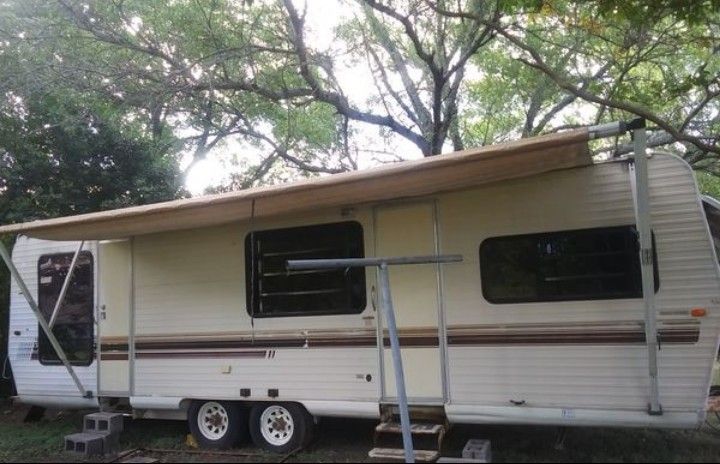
(349, 441)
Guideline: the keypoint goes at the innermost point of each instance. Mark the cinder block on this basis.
(478, 450)
(103, 422)
(111, 442)
(88, 444)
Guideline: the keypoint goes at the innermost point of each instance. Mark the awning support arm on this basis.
(641, 197)
(66, 285)
(384, 281)
(41, 320)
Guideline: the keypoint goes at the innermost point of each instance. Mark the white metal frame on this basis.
(389, 313)
(65, 286)
(639, 182)
(641, 196)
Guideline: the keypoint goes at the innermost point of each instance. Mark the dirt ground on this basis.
(344, 440)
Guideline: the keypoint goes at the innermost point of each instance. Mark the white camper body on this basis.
(567, 363)
(173, 324)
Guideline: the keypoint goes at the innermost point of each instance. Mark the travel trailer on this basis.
(588, 294)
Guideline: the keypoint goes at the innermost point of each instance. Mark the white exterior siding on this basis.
(583, 376)
(193, 283)
(31, 377)
(298, 374)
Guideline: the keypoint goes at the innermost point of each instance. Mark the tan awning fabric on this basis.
(427, 176)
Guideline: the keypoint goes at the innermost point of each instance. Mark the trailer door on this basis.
(409, 230)
(114, 317)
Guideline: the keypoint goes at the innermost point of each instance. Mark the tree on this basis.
(213, 70)
(441, 74)
(246, 70)
(58, 159)
(656, 60)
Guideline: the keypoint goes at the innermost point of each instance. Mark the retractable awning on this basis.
(426, 176)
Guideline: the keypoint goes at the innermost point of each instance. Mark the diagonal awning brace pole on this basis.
(41, 320)
(387, 305)
(66, 285)
(641, 196)
(397, 362)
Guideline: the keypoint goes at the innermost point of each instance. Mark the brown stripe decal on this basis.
(247, 348)
(113, 356)
(203, 354)
(222, 344)
(114, 347)
(344, 342)
(414, 342)
(572, 338)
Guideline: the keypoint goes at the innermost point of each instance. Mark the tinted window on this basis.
(583, 264)
(272, 291)
(74, 323)
(713, 217)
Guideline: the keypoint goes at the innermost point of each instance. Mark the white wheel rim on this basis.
(213, 421)
(277, 425)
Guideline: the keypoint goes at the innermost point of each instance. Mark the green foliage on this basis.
(232, 70)
(60, 159)
(709, 184)
(659, 58)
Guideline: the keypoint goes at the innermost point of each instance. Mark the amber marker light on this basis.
(698, 312)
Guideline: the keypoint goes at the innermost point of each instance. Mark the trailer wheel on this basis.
(217, 424)
(280, 427)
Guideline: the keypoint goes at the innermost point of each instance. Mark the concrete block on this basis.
(87, 444)
(104, 422)
(478, 450)
(111, 442)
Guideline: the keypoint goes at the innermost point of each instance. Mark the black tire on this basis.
(310, 430)
(229, 434)
(288, 436)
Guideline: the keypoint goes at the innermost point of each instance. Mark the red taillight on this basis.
(698, 312)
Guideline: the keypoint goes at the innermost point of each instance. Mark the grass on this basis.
(349, 440)
(30, 442)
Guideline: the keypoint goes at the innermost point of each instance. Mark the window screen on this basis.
(273, 291)
(583, 264)
(74, 324)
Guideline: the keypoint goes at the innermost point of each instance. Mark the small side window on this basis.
(587, 264)
(712, 213)
(273, 291)
(74, 323)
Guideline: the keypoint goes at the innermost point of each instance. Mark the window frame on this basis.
(540, 299)
(41, 334)
(251, 292)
